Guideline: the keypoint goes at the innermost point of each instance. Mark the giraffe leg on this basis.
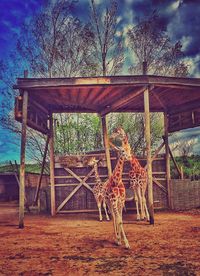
(121, 231)
(110, 208)
(115, 226)
(137, 204)
(105, 209)
(118, 221)
(116, 218)
(99, 207)
(145, 208)
(141, 204)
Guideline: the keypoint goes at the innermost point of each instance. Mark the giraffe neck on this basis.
(117, 173)
(97, 177)
(135, 162)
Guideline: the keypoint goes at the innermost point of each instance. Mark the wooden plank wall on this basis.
(185, 194)
(83, 199)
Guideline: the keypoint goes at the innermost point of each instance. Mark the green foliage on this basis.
(190, 165)
(133, 124)
(77, 133)
(31, 168)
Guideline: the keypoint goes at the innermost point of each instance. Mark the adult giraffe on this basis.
(115, 192)
(138, 179)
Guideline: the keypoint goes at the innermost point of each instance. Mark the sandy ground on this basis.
(81, 245)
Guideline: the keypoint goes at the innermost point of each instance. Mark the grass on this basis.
(31, 168)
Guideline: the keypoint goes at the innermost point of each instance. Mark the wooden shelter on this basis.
(177, 98)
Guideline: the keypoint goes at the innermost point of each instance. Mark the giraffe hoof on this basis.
(127, 246)
(118, 243)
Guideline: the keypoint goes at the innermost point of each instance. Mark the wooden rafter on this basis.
(120, 102)
(159, 100)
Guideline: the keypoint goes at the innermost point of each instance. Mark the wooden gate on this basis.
(74, 181)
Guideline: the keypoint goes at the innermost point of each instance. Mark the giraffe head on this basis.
(93, 161)
(118, 135)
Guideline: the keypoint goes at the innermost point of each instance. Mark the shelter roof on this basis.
(113, 93)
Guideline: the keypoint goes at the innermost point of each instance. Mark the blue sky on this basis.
(181, 18)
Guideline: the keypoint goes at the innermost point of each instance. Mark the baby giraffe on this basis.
(115, 193)
(98, 189)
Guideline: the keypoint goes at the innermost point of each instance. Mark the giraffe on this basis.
(138, 180)
(115, 193)
(98, 189)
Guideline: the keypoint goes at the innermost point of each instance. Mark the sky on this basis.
(180, 17)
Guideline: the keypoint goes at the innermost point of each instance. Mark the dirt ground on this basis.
(81, 245)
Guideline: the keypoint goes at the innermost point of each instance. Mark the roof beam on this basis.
(159, 100)
(124, 100)
(186, 107)
(74, 110)
(173, 82)
(104, 93)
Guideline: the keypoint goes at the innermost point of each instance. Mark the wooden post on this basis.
(51, 143)
(148, 151)
(144, 68)
(22, 160)
(106, 145)
(41, 173)
(182, 174)
(167, 158)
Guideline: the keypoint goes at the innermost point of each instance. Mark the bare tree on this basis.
(151, 44)
(56, 44)
(108, 41)
(184, 147)
(52, 44)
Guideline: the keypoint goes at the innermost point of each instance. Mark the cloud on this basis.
(194, 65)
(191, 134)
(180, 18)
(13, 14)
(174, 6)
(186, 24)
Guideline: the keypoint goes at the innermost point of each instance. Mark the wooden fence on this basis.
(185, 194)
(9, 189)
(74, 182)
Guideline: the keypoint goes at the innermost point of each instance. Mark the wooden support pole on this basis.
(148, 151)
(42, 171)
(174, 161)
(22, 160)
(156, 153)
(106, 144)
(51, 143)
(167, 158)
(182, 174)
